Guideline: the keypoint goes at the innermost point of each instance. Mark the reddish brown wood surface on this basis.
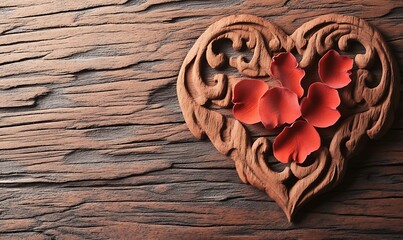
(94, 146)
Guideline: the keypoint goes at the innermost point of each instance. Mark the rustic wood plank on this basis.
(94, 145)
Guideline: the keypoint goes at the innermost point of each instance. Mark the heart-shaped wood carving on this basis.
(205, 92)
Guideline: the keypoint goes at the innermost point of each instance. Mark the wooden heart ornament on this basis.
(295, 113)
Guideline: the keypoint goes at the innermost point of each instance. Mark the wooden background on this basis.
(94, 146)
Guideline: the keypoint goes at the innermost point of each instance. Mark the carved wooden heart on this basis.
(368, 102)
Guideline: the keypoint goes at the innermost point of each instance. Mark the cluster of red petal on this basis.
(254, 101)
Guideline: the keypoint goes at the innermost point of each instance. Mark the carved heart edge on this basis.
(196, 94)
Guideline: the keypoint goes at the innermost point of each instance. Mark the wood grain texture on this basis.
(94, 146)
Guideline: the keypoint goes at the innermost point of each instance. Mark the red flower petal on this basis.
(284, 67)
(295, 143)
(246, 97)
(334, 69)
(277, 106)
(319, 107)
